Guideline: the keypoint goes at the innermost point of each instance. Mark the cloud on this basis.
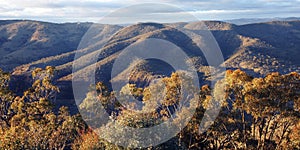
(93, 10)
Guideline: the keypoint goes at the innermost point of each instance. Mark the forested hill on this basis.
(260, 47)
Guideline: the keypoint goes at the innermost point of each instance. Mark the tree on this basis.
(259, 113)
(272, 102)
(6, 99)
(262, 110)
(33, 124)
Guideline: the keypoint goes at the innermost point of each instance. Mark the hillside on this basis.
(23, 42)
(255, 48)
(261, 47)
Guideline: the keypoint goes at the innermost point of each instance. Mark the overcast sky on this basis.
(94, 10)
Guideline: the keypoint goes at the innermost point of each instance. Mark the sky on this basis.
(134, 10)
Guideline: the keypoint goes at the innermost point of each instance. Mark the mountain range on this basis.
(257, 48)
(243, 21)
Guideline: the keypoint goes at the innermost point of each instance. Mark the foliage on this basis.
(256, 113)
(91, 141)
(31, 123)
(259, 113)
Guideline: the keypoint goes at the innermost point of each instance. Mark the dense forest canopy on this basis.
(256, 113)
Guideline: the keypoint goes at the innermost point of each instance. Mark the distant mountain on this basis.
(257, 48)
(244, 21)
(23, 42)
